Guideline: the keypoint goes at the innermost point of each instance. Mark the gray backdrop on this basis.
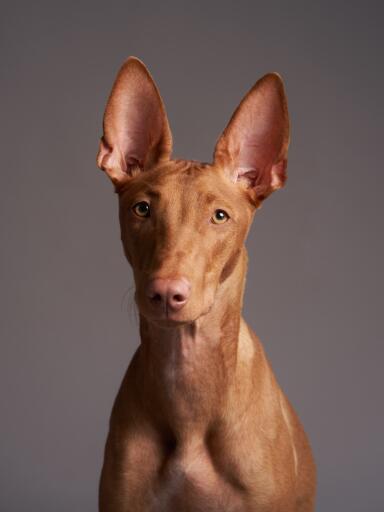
(315, 283)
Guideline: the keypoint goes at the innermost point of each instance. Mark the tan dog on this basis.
(200, 423)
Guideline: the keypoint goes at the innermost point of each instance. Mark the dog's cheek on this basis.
(230, 265)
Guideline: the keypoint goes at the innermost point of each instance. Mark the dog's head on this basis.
(183, 223)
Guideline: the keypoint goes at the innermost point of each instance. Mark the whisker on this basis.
(131, 308)
(125, 295)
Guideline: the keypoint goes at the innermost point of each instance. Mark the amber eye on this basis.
(219, 217)
(141, 209)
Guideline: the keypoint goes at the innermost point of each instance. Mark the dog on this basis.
(200, 423)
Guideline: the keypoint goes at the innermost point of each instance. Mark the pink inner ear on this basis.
(263, 181)
(136, 131)
(254, 144)
(249, 176)
(140, 129)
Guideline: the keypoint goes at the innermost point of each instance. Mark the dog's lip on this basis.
(172, 318)
(167, 322)
(168, 318)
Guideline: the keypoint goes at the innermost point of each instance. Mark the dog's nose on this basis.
(169, 293)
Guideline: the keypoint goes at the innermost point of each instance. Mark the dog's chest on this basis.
(190, 480)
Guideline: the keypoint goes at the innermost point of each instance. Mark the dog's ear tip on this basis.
(275, 75)
(134, 62)
(133, 59)
(134, 67)
(273, 79)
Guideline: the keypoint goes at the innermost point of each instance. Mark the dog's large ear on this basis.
(136, 130)
(253, 147)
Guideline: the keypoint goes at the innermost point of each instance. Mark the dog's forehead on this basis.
(185, 178)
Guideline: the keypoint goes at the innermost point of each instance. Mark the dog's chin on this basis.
(167, 323)
(172, 319)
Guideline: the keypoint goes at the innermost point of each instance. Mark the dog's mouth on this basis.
(167, 317)
(168, 323)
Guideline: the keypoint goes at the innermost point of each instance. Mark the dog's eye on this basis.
(141, 209)
(219, 217)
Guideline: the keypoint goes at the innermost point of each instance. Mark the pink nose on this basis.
(169, 293)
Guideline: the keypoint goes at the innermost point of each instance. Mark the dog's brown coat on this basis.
(200, 423)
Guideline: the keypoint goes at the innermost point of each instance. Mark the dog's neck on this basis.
(215, 331)
(187, 370)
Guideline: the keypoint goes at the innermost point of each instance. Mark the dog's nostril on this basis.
(167, 295)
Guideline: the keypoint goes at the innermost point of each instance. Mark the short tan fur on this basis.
(200, 423)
